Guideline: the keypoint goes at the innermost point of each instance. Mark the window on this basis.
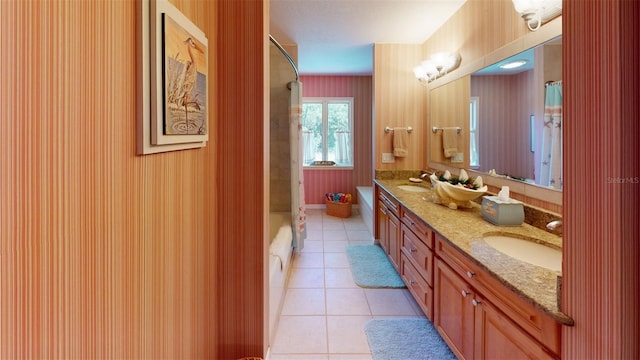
(474, 156)
(327, 130)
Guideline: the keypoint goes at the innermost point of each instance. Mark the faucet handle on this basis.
(554, 224)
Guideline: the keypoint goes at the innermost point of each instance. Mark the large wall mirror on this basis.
(515, 116)
(507, 126)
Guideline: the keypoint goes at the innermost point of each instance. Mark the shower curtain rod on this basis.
(286, 54)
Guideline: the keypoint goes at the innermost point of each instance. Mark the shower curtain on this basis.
(551, 166)
(298, 216)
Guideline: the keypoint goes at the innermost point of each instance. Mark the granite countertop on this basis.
(464, 228)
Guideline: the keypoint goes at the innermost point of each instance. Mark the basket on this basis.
(338, 209)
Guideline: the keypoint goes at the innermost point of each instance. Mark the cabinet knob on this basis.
(413, 250)
(465, 293)
(470, 274)
(475, 302)
(411, 282)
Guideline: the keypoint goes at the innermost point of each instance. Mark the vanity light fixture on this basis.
(513, 64)
(537, 12)
(438, 65)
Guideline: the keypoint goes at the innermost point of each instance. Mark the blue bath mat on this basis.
(406, 339)
(371, 268)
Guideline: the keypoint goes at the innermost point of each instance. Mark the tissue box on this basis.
(508, 212)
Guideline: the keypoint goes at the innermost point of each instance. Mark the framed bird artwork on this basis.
(173, 81)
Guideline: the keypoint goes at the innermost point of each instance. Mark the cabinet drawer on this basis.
(416, 225)
(417, 285)
(391, 203)
(539, 325)
(418, 253)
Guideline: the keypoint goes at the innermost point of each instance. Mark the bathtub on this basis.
(365, 200)
(280, 251)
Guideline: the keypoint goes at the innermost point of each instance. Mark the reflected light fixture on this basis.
(438, 65)
(513, 64)
(537, 12)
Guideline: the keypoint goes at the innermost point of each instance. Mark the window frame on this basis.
(325, 101)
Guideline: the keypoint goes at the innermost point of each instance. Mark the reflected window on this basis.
(474, 156)
(327, 131)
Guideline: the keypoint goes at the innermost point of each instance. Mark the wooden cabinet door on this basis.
(393, 233)
(497, 337)
(453, 311)
(383, 216)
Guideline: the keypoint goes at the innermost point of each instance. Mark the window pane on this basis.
(312, 132)
(339, 133)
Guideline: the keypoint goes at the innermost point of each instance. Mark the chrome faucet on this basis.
(554, 224)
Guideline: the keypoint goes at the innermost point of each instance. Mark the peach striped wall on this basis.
(478, 28)
(399, 101)
(319, 182)
(102, 251)
(105, 254)
(602, 175)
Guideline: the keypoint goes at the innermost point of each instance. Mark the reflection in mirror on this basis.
(516, 116)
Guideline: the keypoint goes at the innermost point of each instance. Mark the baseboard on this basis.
(323, 206)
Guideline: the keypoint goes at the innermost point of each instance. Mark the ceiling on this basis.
(337, 36)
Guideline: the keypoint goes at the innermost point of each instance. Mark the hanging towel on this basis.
(400, 142)
(450, 142)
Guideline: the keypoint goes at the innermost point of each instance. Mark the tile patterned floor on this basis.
(324, 311)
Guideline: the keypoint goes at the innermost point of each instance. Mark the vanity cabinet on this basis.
(416, 262)
(388, 226)
(480, 319)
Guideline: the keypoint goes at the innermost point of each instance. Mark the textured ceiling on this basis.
(337, 36)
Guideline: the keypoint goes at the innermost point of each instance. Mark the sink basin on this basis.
(412, 188)
(527, 251)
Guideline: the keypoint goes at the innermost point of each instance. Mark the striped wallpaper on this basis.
(101, 250)
(399, 100)
(105, 254)
(319, 182)
(602, 175)
(241, 161)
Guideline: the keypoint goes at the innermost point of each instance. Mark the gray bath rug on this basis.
(406, 339)
(371, 268)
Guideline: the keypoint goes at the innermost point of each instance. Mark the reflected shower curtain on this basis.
(298, 216)
(551, 167)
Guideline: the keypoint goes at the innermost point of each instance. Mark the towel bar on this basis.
(435, 129)
(389, 129)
